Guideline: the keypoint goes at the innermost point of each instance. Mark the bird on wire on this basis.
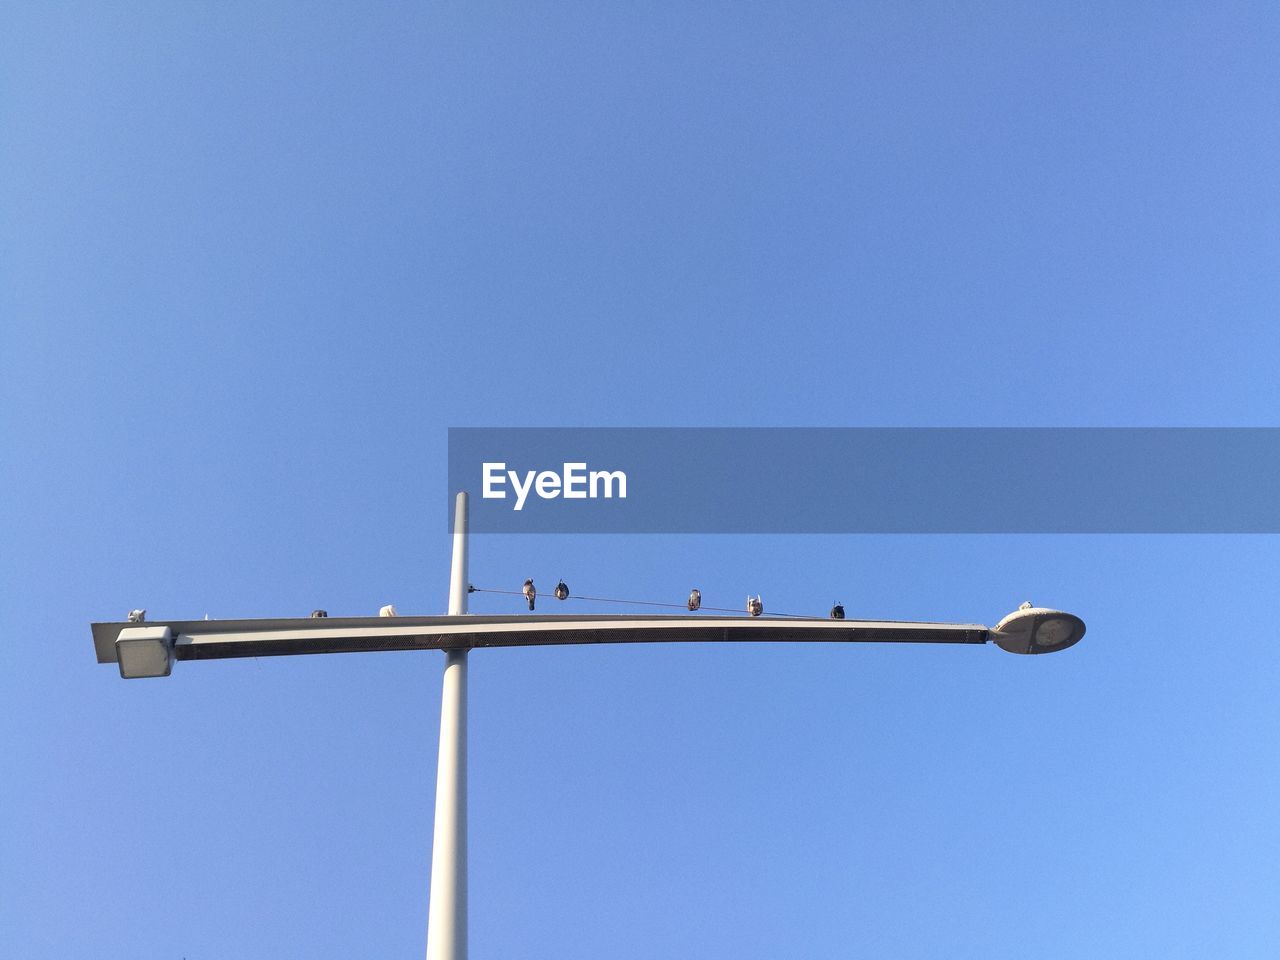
(755, 606)
(837, 612)
(562, 591)
(530, 592)
(695, 599)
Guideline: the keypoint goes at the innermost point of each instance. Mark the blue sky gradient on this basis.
(256, 259)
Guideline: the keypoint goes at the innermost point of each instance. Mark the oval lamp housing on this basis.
(1038, 630)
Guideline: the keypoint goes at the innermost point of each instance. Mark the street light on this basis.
(144, 652)
(1038, 630)
(150, 651)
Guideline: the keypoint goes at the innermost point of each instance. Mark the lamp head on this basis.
(1037, 630)
(144, 652)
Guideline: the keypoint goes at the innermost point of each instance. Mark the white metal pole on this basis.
(458, 585)
(447, 914)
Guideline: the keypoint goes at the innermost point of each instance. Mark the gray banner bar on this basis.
(867, 480)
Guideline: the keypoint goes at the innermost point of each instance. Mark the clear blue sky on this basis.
(256, 258)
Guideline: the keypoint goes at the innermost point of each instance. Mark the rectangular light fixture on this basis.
(145, 652)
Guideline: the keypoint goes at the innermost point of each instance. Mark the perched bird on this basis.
(755, 606)
(562, 591)
(530, 592)
(137, 616)
(388, 611)
(837, 612)
(318, 614)
(1026, 605)
(695, 599)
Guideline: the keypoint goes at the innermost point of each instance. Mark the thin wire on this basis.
(646, 603)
